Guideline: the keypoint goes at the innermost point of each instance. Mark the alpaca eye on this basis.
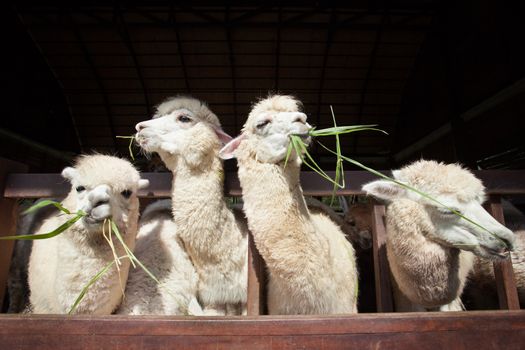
(262, 124)
(184, 118)
(126, 193)
(80, 189)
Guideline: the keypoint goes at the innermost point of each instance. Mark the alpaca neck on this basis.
(198, 202)
(278, 216)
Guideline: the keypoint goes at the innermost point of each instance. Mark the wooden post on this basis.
(256, 303)
(381, 270)
(8, 216)
(503, 271)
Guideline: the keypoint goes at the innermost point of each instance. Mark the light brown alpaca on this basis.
(430, 248)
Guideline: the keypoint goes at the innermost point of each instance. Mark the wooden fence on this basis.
(480, 330)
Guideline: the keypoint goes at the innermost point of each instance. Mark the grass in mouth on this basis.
(130, 147)
(297, 144)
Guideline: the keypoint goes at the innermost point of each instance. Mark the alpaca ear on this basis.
(227, 152)
(69, 173)
(395, 174)
(384, 189)
(143, 183)
(223, 137)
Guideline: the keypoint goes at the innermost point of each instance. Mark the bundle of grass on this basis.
(75, 251)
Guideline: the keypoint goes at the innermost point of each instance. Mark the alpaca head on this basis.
(104, 187)
(182, 127)
(268, 129)
(459, 190)
(359, 218)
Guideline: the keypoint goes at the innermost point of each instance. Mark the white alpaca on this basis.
(481, 289)
(187, 136)
(428, 246)
(161, 251)
(311, 265)
(59, 267)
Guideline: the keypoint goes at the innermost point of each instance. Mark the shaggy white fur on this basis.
(187, 136)
(428, 246)
(311, 265)
(162, 252)
(59, 267)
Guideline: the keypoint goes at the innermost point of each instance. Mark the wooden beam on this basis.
(452, 330)
(8, 217)
(53, 185)
(503, 270)
(256, 303)
(474, 112)
(37, 146)
(384, 300)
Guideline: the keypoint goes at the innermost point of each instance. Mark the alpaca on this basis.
(481, 292)
(359, 217)
(311, 265)
(59, 267)
(429, 248)
(350, 224)
(188, 136)
(162, 252)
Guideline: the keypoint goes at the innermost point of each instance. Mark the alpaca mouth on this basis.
(304, 136)
(501, 253)
(92, 220)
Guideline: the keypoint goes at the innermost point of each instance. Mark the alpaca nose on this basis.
(140, 126)
(99, 196)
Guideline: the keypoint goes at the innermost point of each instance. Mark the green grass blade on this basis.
(51, 234)
(339, 172)
(130, 253)
(288, 153)
(130, 146)
(45, 203)
(408, 187)
(92, 281)
(339, 130)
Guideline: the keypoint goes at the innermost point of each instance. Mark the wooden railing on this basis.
(15, 184)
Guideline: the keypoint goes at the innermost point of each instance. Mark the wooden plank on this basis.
(8, 216)
(256, 303)
(383, 285)
(53, 185)
(503, 270)
(480, 330)
(503, 339)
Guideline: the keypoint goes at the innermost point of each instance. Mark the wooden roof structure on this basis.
(114, 62)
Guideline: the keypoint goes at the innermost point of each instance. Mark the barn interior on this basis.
(444, 79)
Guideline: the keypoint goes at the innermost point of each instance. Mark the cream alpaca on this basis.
(187, 136)
(162, 252)
(59, 267)
(311, 265)
(428, 246)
